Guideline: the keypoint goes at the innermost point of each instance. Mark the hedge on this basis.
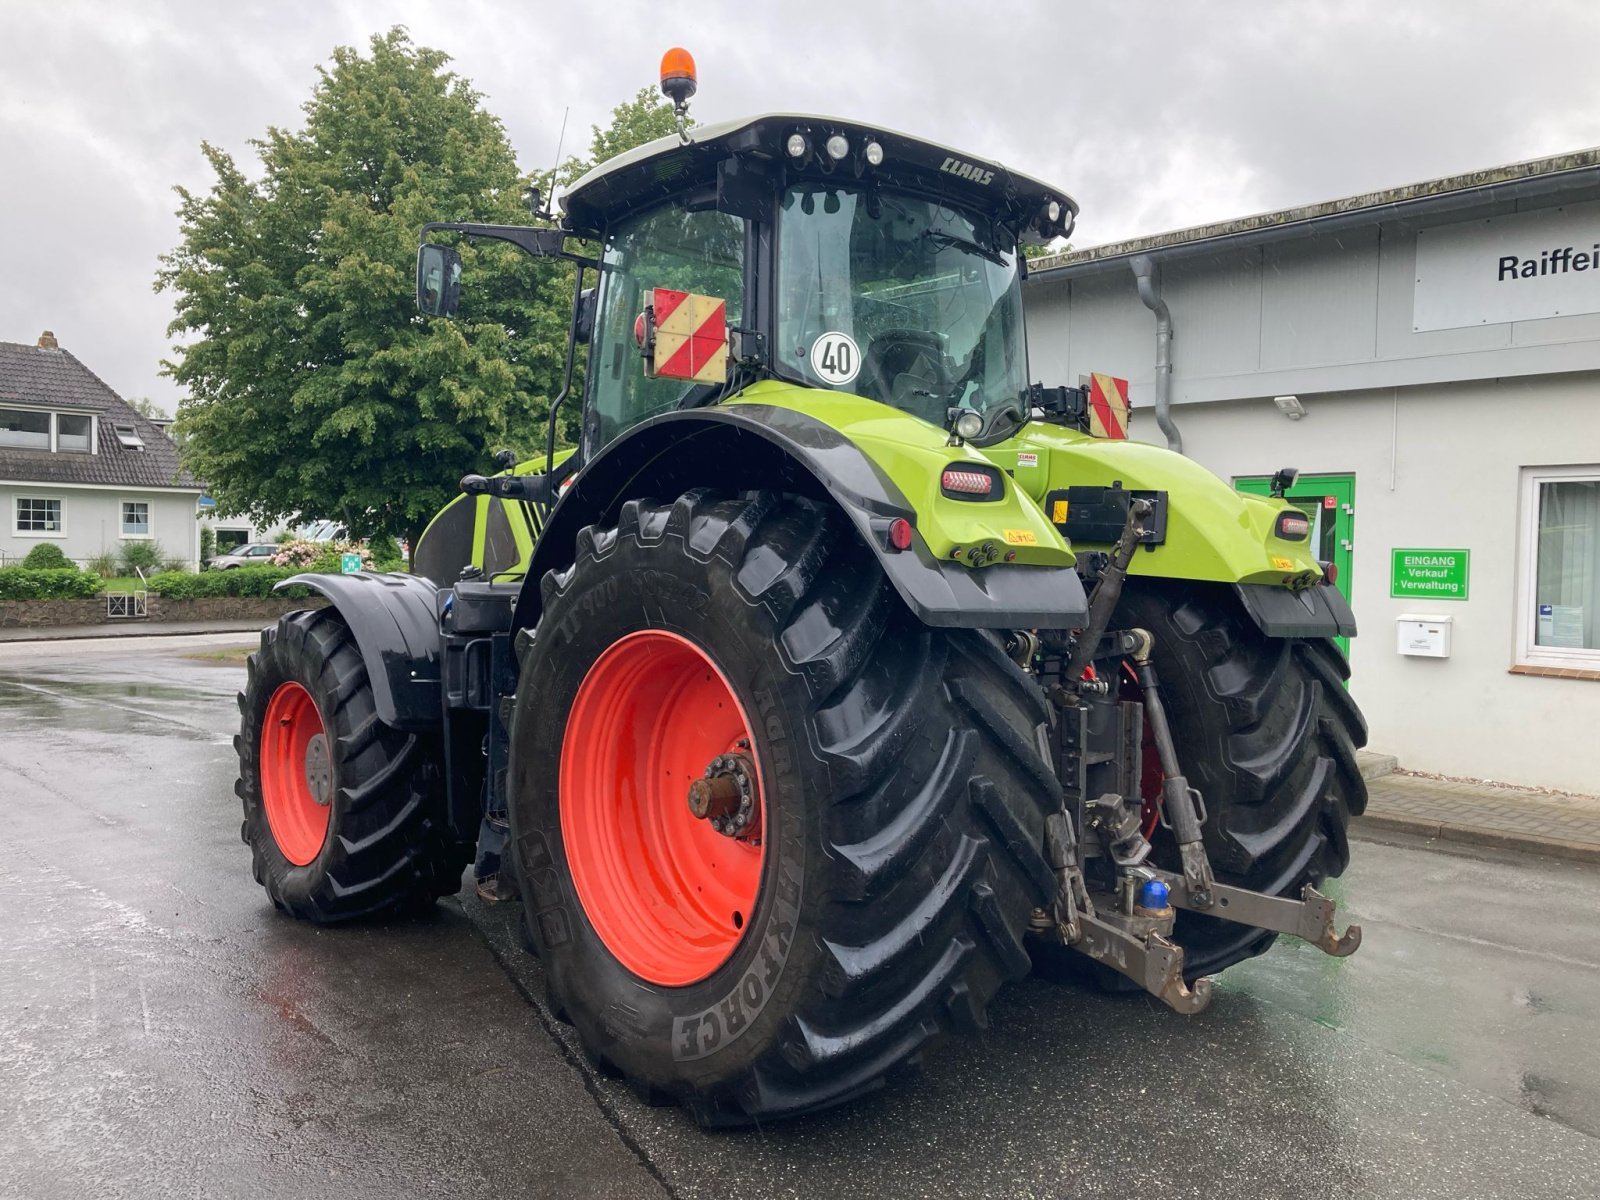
(239, 581)
(26, 583)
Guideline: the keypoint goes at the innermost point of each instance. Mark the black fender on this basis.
(763, 446)
(1318, 611)
(395, 621)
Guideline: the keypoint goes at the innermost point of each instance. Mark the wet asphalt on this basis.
(163, 1032)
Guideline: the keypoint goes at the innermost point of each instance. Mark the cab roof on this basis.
(645, 175)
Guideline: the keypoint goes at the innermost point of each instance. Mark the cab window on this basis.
(668, 247)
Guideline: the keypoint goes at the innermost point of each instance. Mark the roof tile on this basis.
(55, 378)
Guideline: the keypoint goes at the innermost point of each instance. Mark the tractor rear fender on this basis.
(396, 625)
(1213, 533)
(748, 445)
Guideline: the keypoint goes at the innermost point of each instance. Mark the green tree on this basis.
(147, 407)
(314, 388)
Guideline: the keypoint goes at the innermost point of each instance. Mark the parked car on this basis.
(253, 554)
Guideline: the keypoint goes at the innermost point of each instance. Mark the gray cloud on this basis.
(1154, 115)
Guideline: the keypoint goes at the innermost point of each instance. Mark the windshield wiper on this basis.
(959, 243)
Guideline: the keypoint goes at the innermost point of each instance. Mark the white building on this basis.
(82, 469)
(1429, 358)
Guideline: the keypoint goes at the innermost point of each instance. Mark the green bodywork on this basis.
(1213, 532)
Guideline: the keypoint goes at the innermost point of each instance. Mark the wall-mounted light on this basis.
(1290, 406)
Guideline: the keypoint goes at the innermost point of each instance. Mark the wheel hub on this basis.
(319, 770)
(727, 796)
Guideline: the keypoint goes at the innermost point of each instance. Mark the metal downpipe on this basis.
(1144, 275)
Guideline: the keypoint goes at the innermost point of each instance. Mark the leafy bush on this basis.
(174, 564)
(141, 556)
(322, 557)
(103, 565)
(47, 556)
(208, 544)
(241, 581)
(26, 583)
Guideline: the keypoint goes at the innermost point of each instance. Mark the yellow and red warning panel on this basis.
(691, 336)
(1108, 407)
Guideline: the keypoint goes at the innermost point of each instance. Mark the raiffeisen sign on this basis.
(1519, 267)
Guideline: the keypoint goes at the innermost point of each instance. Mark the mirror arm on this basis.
(566, 379)
(538, 243)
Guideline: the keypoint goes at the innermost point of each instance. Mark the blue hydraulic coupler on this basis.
(1152, 898)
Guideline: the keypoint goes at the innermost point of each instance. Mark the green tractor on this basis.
(813, 696)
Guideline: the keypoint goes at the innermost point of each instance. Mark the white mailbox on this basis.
(1424, 636)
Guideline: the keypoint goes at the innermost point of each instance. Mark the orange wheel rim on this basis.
(296, 774)
(669, 895)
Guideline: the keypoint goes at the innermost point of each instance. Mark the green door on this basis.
(1330, 502)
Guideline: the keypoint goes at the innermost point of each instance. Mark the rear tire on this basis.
(1265, 728)
(904, 795)
(380, 842)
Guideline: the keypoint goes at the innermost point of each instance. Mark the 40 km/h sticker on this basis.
(835, 358)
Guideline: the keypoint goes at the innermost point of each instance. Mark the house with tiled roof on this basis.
(81, 467)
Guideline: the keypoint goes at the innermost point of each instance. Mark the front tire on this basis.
(902, 798)
(344, 816)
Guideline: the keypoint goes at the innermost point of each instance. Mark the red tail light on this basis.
(1293, 526)
(969, 482)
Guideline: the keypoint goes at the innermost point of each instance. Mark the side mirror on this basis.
(438, 280)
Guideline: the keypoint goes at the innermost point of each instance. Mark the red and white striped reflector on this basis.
(969, 483)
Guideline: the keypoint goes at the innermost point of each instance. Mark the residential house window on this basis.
(36, 515)
(74, 433)
(1559, 582)
(24, 430)
(29, 429)
(135, 518)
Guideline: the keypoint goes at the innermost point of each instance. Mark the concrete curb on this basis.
(1476, 835)
(73, 633)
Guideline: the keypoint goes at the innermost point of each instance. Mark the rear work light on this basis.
(967, 482)
(1293, 526)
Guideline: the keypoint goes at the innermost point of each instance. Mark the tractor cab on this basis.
(827, 253)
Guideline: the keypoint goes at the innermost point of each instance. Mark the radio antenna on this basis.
(561, 141)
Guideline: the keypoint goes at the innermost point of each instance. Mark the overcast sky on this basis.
(1154, 115)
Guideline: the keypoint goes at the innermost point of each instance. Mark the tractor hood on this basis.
(644, 176)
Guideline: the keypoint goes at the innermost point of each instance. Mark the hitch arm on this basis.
(1309, 918)
(1155, 964)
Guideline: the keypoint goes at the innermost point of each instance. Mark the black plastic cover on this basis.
(1099, 514)
(1317, 611)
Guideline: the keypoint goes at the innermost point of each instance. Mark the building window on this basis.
(1559, 584)
(24, 430)
(38, 516)
(135, 518)
(74, 433)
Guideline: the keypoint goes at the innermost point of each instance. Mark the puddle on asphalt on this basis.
(101, 706)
